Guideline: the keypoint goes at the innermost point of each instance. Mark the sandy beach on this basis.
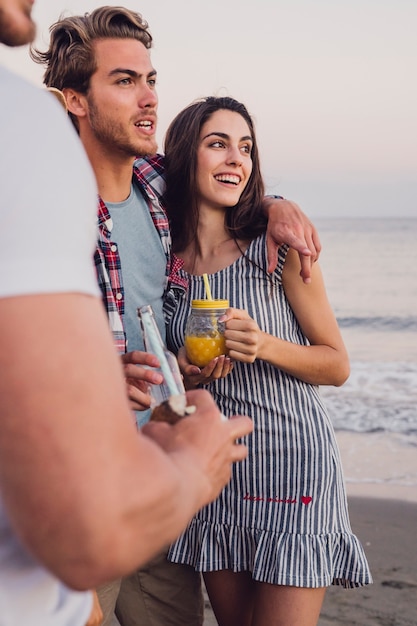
(387, 529)
(382, 499)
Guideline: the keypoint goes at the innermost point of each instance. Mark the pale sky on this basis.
(331, 85)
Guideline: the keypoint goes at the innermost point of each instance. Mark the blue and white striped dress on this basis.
(283, 516)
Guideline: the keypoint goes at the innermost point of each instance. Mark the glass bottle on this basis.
(172, 384)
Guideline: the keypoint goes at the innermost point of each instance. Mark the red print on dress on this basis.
(304, 499)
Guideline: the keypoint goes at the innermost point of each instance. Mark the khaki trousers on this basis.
(107, 597)
(161, 594)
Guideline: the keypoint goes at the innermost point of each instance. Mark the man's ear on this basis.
(76, 102)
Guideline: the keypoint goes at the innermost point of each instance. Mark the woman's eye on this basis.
(217, 144)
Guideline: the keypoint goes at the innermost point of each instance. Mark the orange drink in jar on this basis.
(204, 334)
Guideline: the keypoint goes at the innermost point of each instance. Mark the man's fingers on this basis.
(314, 243)
(137, 357)
(139, 400)
(240, 452)
(299, 243)
(294, 241)
(272, 254)
(305, 272)
(159, 432)
(135, 372)
(306, 261)
(240, 426)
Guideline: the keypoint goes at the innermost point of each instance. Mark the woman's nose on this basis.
(234, 156)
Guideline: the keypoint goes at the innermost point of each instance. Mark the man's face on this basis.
(122, 101)
(16, 25)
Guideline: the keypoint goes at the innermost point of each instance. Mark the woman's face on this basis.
(224, 162)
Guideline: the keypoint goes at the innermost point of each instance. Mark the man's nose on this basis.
(147, 97)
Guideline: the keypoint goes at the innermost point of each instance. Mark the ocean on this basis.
(370, 271)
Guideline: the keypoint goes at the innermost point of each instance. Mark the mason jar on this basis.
(204, 334)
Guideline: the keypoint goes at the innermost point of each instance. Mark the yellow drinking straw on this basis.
(207, 286)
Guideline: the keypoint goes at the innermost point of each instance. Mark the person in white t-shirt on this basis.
(84, 497)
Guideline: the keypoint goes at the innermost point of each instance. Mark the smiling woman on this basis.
(222, 140)
(223, 159)
(279, 533)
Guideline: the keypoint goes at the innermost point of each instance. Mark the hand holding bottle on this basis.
(168, 399)
(203, 445)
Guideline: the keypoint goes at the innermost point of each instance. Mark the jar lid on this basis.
(210, 304)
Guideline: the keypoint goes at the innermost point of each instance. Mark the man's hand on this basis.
(202, 445)
(193, 376)
(138, 378)
(288, 224)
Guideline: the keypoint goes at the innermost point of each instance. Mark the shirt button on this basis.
(119, 296)
(113, 248)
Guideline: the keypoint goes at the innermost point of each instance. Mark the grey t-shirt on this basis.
(143, 263)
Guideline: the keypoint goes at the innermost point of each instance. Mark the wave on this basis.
(380, 323)
(378, 397)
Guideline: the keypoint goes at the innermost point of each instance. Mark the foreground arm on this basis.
(288, 224)
(324, 362)
(88, 495)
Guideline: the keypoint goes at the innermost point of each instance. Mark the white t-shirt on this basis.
(48, 203)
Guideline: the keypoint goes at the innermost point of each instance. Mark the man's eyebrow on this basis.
(226, 136)
(132, 73)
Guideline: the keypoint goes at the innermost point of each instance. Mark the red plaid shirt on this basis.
(149, 176)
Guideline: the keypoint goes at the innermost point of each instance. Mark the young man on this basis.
(85, 498)
(101, 62)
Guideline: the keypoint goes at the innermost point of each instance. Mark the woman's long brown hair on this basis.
(246, 219)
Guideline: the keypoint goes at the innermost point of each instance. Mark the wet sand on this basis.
(388, 530)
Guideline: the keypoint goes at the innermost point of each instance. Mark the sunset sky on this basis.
(331, 85)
